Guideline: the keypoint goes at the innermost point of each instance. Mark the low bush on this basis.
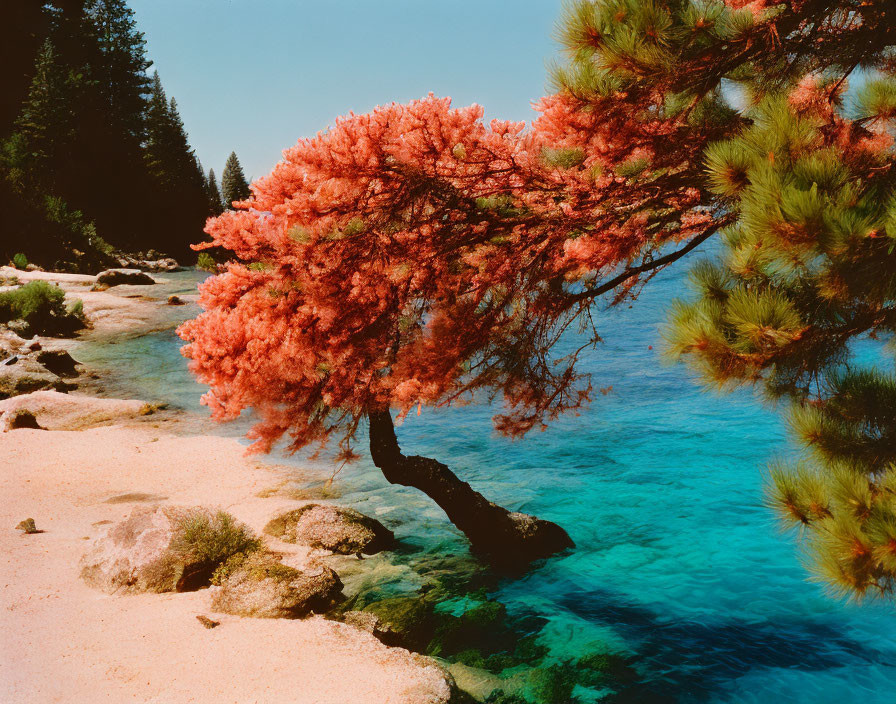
(42, 306)
(20, 261)
(212, 540)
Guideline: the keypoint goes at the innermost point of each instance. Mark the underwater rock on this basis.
(175, 301)
(261, 587)
(117, 277)
(341, 530)
(478, 683)
(409, 618)
(163, 549)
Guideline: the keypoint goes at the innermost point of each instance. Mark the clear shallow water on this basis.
(677, 564)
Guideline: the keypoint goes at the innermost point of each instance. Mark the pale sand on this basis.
(61, 641)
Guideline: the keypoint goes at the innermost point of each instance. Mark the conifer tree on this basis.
(98, 41)
(179, 184)
(414, 255)
(46, 125)
(234, 186)
(18, 52)
(806, 281)
(215, 205)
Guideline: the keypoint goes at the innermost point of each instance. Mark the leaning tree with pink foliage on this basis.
(415, 256)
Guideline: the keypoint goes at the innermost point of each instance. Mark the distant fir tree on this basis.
(215, 205)
(18, 52)
(74, 129)
(44, 225)
(179, 186)
(233, 182)
(46, 126)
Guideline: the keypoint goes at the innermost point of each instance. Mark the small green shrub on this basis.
(42, 306)
(76, 308)
(212, 540)
(231, 565)
(20, 261)
(205, 261)
(36, 298)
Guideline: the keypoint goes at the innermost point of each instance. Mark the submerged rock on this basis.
(341, 530)
(409, 618)
(261, 587)
(117, 277)
(162, 549)
(478, 683)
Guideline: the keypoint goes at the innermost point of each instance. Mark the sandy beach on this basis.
(62, 641)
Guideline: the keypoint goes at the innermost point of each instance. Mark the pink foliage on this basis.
(414, 256)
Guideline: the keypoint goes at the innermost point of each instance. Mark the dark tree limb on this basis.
(500, 536)
(651, 265)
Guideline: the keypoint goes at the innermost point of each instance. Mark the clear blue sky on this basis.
(256, 75)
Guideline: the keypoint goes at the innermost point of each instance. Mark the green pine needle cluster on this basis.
(807, 271)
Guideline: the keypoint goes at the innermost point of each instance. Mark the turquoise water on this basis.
(678, 563)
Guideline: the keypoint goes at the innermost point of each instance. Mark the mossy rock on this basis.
(261, 587)
(162, 549)
(340, 530)
(481, 627)
(410, 618)
(603, 668)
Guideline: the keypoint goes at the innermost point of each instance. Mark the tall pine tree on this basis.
(215, 205)
(233, 182)
(46, 126)
(179, 186)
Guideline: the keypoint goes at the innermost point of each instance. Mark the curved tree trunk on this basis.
(498, 534)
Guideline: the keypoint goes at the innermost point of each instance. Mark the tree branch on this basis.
(647, 266)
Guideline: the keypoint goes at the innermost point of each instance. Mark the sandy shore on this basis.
(61, 641)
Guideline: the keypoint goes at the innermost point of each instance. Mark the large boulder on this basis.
(117, 277)
(164, 549)
(261, 587)
(340, 530)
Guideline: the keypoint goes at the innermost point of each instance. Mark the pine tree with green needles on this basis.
(46, 126)
(802, 301)
(749, 105)
(234, 186)
(179, 185)
(215, 205)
